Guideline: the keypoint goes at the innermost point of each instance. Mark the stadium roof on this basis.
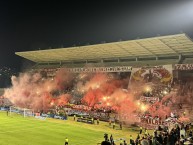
(149, 47)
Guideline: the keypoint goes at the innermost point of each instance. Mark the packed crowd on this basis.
(177, 135)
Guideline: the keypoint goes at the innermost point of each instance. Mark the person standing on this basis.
(110, 122)
(124, 142)
(97, 121)
(74, 117)
(131, 140)
(111, 139)
(120, 124)
(7, 112)
(121, 141)
(92, 120)
(137, 140)
(146, 132)
(66, 141)
(114, 125)
(140, 130)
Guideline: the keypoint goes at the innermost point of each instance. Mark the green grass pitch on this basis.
(17, 130)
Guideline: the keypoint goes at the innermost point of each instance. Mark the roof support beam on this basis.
(180, 57)
(125, 49)
(107, 51)
(169, 46)
(146, 48)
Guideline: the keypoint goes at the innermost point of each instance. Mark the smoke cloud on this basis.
(104, 91)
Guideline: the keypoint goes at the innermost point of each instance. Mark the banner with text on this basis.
(51, 72)
(149, 99)
(183, 67)
(101, 69)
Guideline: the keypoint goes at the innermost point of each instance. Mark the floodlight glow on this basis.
(95, 86)
(143, 107)
(82, 90)
(147, 88)
(104, 98)
(165, 92)
(37, 92)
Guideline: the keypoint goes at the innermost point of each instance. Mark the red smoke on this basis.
(100, 91)
(35, 92)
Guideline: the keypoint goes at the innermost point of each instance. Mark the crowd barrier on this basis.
(4, 108)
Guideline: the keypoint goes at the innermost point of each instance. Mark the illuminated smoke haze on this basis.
(97, 90)
(33, 91)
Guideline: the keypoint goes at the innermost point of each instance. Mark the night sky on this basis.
(33, 25)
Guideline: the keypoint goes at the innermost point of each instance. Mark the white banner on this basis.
(52, 72)
(149, 99)
(183, 67)
(101, 69)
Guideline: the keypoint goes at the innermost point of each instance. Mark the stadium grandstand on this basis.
(173, 49)
(157, 72)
